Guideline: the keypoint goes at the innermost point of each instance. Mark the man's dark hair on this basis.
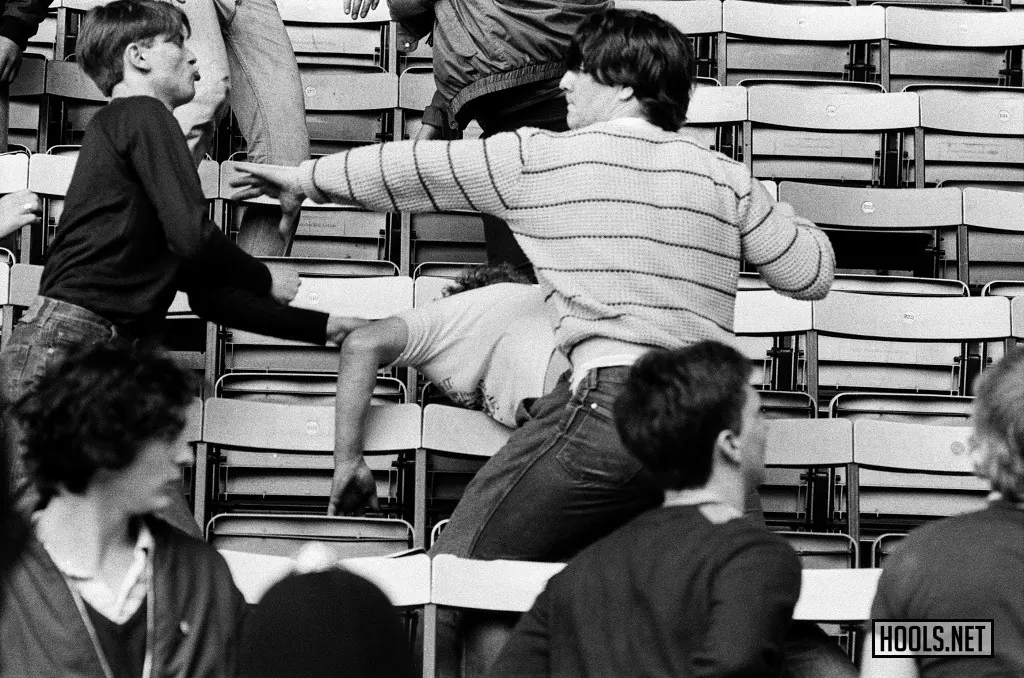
(482, 276)
(637, 49)
(107, 30)
(674, 406)
(98, 408)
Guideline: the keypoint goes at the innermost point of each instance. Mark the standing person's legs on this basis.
(199, 118)
(562, 481)
(267, 100)
(500, 243)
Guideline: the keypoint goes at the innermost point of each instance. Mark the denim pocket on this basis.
(592, 452)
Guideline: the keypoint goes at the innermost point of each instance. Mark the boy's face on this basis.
(173, 72)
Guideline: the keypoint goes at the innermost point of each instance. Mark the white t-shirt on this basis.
(487, 348)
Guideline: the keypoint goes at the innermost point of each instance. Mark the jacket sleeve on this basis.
(20, 20)
(793, 255)
(422, 176)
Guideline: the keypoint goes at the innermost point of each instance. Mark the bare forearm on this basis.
(357, 375)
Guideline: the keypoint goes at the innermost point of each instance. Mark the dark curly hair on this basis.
(97, 408)
(639, 50)
(675, 404)
(482, 276)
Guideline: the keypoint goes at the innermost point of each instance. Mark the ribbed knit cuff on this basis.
(308, 183)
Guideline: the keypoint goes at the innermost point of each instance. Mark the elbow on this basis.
(361, 345)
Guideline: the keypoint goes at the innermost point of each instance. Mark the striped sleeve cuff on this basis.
(308, 183)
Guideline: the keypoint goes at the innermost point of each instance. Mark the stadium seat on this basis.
(877, 284)
(882, 229)
(836, 595)
(270, 455)
(455, 444)
(284, 535)
(325, 231)
(809, 133)
(991, 238)
(300, 388)
(715, 116)
(23, 287)
(906, 407)
(763, 321)
(801, 458)
(824, 550)
(321, 34)
(701, 21)
(26, 95)
(798, 41)
(370, 298)
(70, 100)
(906, 472)
(970, 134)
(948, 46)
(867, 342)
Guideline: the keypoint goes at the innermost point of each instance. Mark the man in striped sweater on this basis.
(636, 234)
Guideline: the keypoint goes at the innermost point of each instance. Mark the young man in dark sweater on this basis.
(692, 588)
(135, 227)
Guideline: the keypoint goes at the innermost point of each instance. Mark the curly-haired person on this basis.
(103, 587)
(969, 566)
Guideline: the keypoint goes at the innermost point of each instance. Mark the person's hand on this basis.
(18, 210)
(352, 488)
(339, 326)
(428, 132)
(10, 59)
(276, 181)
(284, 284)
(358, 8)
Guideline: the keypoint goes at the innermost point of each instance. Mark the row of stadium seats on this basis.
(416, 583)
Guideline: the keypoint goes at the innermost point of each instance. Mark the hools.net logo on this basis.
(931, 638)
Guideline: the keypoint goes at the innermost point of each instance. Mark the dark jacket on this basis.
(485, 46)
(199, 612)
(21, 18)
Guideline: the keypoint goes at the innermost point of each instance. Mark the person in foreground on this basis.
(692, 588)
(104, 588)
(971, 566)
(135, 229)
(487, 345)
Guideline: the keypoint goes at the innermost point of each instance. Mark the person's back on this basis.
(966, 567)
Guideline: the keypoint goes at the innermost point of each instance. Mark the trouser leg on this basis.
(267, 101)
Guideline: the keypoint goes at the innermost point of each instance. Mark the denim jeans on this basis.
(244, 56)
(547, 114)
(46, 332)
(562, 481)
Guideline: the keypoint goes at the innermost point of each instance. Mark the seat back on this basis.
(762, 319)
(823, 550)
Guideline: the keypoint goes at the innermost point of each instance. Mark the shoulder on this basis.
(743, 538)
(136, 113)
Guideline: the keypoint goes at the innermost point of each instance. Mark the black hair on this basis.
(675, 404)
(637, 49)
(97, 408)
(482, 276)
(107, 30)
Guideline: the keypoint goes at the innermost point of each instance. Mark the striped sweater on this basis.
(636, 234)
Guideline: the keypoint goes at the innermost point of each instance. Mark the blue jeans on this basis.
(244, 57)
(46, 332)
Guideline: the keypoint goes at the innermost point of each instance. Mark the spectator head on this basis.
(998, 438)
(482, 276)
(627, 59)
(690, 413)
(141, 37)
(109, 417)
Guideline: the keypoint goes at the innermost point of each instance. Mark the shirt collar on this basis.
(691, 498)
(633, 122)
(142, 550)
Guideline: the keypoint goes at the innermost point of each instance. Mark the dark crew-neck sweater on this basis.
(135, 229)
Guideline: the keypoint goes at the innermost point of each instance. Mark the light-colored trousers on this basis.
(245, 58)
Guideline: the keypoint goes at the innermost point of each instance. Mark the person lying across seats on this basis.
(488, 345)
(135, 226)
(692, 588)
(971, 566)
(103, 587)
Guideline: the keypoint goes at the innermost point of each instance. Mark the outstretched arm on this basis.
(401, 176)
(362, 353)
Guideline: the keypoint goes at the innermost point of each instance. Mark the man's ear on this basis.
(728, 445)
(135, 57)
(625, 94)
